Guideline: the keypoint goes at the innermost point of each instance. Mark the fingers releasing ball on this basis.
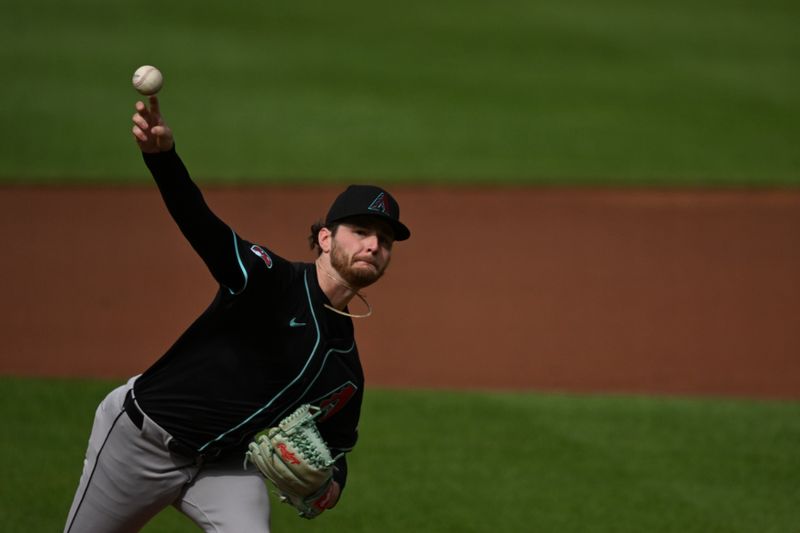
(147, 80)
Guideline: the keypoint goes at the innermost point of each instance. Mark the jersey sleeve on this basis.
(340, 471)
(227, 256)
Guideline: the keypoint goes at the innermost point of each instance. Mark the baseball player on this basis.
(277, 334)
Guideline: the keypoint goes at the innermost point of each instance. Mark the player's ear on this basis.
(324, 238)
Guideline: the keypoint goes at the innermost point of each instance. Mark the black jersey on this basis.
(265, 345)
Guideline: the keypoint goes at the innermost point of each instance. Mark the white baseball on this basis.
(148, 80)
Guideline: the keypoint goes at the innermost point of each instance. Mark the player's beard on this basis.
(356, 277)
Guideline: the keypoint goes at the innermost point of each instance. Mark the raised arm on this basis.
(212, 239)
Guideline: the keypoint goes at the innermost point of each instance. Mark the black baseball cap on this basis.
(368, 200)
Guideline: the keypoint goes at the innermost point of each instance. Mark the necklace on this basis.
(361, 296)
(344, 313)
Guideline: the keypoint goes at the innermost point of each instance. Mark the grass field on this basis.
(579, 92)
(477, 461)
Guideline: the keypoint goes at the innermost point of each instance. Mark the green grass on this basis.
(576, 91)
(468, 461)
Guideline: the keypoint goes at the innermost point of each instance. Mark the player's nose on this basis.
(371, 243)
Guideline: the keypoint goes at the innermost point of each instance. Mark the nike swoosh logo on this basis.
(293, 323)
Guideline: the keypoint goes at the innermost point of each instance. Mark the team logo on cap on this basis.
(262, 253)
(379, 204)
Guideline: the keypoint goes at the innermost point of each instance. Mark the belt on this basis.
(174, 445)
(133, 411)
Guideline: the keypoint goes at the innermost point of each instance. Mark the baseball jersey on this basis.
(265, 345)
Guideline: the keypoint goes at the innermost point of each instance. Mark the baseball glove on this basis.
(295, 458)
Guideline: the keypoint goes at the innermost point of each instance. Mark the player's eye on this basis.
(385, 241)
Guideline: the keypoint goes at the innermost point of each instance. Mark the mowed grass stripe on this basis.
(573, 92)
(477, 461)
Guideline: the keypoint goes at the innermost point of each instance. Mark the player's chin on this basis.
(362, 274)
(365, 266)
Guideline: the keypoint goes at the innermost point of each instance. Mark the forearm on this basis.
(210, 237)
(182, 197)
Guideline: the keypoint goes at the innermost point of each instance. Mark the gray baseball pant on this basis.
(129, 475)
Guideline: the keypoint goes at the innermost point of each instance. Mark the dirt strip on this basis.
(643, 291)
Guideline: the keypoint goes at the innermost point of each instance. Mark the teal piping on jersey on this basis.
(325, 360)
(241, 265)
(311, 384)
(287, 387)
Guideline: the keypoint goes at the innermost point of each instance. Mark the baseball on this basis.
(147, 80)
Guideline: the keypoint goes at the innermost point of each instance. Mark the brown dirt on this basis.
(669, 292)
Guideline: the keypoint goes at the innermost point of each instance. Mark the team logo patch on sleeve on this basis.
(262, 253)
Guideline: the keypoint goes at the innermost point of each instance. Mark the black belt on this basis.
(174, 445)
(133, 411)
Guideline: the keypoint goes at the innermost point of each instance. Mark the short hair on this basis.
(313, 238)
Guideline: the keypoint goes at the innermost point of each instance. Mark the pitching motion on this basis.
(269, 372)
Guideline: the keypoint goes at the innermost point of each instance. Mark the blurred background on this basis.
(679, 92)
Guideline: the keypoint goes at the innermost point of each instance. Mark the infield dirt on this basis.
(636, 291)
